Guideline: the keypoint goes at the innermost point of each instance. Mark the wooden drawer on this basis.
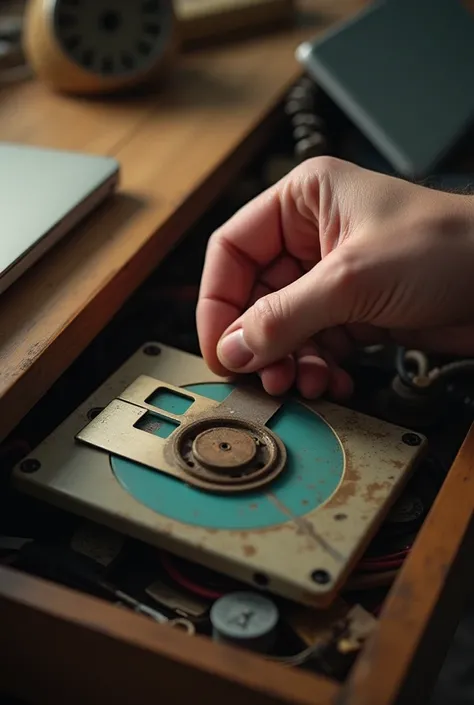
(60, 646)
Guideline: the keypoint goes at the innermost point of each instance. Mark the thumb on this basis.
(278, 324)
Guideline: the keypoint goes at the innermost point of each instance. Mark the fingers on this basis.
(280, 323)
(245, 244)
(278, 379)
(284, 219)
(312, 370)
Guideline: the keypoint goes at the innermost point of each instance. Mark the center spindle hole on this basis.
(110, 21)
(225, 446)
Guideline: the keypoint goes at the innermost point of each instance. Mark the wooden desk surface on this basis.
(178, 150)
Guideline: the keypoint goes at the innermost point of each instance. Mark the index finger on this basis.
(248, 242)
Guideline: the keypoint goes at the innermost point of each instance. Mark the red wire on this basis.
(389, 556)
(391, 560)
(176, 575)
(376, 566)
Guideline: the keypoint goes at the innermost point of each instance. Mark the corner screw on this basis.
(411, 439)
(30, 465)
(152, 350)
(321, 577)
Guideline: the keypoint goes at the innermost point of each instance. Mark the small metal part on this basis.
(348, 639)
(228, 451)
(138, 607)
(419, 404)
(30, 465)
(308, 120)
(300, 92)
(315, 626)
(303, 132)
(320, 577)
(152, 350)
(224, 448)
(246, 619)
(411, 439)
(314, 146)
(180, 601)
(292, 107)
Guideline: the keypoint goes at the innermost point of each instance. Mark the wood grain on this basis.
(179, 148)
(207, 21)
(65, 647)
(401, 661)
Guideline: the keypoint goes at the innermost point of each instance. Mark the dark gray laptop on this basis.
(43, 194)
(402, 72)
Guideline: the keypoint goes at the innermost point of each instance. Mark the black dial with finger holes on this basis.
(113, 37)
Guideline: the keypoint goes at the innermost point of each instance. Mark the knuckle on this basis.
(347, 271)
(324, 164)
(269, 314)
(215, 239)
(317, 169)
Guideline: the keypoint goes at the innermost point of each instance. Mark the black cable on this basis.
(454, 368)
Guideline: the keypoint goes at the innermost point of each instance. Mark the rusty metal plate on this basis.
(214, 447)
(298, 536)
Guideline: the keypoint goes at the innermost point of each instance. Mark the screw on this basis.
(411, 439)
(261, 579)
(92, 413)
(321, 577)
(30, 465)
(152, 350)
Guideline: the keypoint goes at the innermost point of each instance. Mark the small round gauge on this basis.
(92, 45)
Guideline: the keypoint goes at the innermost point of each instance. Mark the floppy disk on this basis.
(281, 494)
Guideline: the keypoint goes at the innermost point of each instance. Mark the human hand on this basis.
(330, 257)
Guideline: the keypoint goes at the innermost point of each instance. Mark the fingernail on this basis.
(234, 352)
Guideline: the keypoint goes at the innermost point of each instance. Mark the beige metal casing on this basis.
(332, 538)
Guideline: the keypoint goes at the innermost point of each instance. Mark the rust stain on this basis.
(373, 491)
(348, 487)
(253, 505)
(249, 550)
(304, 502)
(377, 434)
(343, 494)
(398, 464)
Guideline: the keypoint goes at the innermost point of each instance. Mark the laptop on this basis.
(44, 193)
(401, 70)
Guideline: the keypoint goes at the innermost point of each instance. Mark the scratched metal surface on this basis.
(329, 538)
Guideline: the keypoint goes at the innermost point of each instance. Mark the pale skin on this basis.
(333, 257)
